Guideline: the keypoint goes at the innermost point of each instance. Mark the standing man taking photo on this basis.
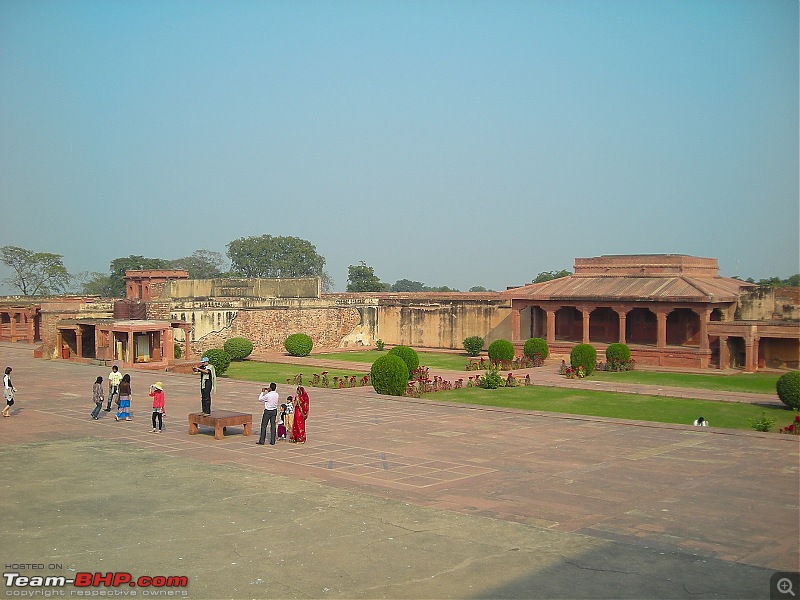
(271, 401)
(208, 384)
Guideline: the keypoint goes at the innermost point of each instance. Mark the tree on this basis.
(362, 278)
(35, 273)
(550, 275)
(132, 263)
(406, 285)
(268, 256)
(478, 288)
(202, 264)
(98, 284)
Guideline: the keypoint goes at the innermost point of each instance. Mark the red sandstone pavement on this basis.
(651, 494)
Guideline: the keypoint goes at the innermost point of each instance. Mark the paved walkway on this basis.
(390, 497)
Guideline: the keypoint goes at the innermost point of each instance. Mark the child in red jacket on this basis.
(157, 392)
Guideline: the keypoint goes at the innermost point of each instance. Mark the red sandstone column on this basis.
(749, 361)
(724, 355)
(704, 318)
(585, 313)
(31, 330)
(79, 342)
(551, 326)
(131, 357)
(59, 343)
(13, 316)
(661, 335)
(623, 316)
(515, 318)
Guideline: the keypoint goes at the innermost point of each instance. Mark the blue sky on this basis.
(456, 143)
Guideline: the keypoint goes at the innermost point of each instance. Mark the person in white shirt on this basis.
(113, 386)
(8, 392)
(271, 402)
(700, 422)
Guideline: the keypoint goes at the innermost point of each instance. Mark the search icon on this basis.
(784, 586)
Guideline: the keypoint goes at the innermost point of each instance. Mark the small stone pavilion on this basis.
(672, 310)
(141, 331)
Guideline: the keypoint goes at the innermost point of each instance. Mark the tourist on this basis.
(157, 393)
(289, 416)
(8, 392)
(113, 386)
(282, 420)
(124, 411)
(700, 422)
(300, 416)
(271, 400)
(97, 396)
(208, 384)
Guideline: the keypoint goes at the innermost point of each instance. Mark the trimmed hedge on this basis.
(501, 350)
(583, 355)
(536, 346)
(298, 344)
(788, 388)
(389, 375)
(238, 347)
(408, 356)
(473, 345)
(618, 351)
(220, 359)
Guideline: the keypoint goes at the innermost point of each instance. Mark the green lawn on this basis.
(756, 383)
(623, 406)
(570, 401)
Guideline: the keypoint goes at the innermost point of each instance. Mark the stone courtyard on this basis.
(389, 498)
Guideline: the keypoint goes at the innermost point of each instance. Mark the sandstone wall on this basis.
(768, 304)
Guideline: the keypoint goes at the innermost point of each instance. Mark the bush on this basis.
(220, 359)
(389, 375)
(379, 345)
(298, 344)
(501, 351)
(239, 348)
(473, 345)
(763, 423)
(492, 380)
(583, 355)
(177, 352)
(618, 352)
(407, 355)
(788, 388)
(536, 346)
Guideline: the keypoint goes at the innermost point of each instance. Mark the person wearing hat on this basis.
(208, 383)
(157, 392)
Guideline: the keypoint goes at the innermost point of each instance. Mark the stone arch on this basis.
(569, 324)
(683, 328)
(604, 325)
(641, 327)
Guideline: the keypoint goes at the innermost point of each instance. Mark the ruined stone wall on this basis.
(66, 308)
(768, 304)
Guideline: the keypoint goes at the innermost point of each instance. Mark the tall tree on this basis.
(268, 256)
(35, 273)
(202, 264)
(406, 285)
(362, 278)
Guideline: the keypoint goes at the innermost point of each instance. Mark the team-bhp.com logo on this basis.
(91, 584)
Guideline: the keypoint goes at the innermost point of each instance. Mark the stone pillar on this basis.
(749, 354)
(131, 358)
(515, 319)
(704, 318)
(661, 334)
(13, 316)
(623, 316)
(31, 329)
(79, 342)
(585, 313)
(59, 343)
(724, 354)
(551, 326)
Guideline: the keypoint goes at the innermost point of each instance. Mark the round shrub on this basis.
(583, 355)
(618, 352)
(501, 350)
(536, 346)
(389, 375)
(407, 355)
(788, 388)
(239, 348)
(220, 359)
(492, 380)
(473, 345)
(298, 344)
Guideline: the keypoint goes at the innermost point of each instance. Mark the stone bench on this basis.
(219, 420)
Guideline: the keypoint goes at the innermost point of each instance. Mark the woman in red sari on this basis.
(300, 416)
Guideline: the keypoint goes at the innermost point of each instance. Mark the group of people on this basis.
(284, 420)
(119, 389)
